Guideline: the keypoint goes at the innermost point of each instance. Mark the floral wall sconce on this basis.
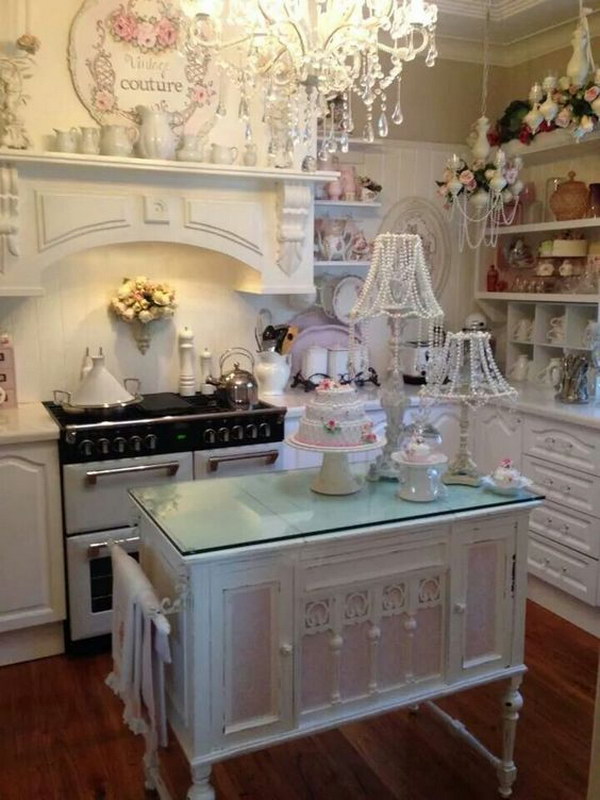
(140, 301)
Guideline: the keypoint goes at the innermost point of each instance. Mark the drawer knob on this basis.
(286, 649)
(460, 608)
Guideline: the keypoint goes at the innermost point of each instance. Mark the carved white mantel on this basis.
(55, 205)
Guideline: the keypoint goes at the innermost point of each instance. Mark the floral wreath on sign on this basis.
(149, 34)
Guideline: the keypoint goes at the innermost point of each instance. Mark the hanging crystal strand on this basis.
(221, 105)
(382, 122)
(432, 52)
(369, 133)
(344, 139)
(350, 125)
(248, 135)
(397, 115)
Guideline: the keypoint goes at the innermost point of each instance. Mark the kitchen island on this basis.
(300, 612)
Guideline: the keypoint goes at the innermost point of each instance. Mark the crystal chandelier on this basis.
(484, 194)
(300, 55)
(398, 287)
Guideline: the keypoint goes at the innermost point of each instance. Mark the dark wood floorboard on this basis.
(62, 738)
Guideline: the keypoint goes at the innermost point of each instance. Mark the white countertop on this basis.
(535, 400)
(28, 422)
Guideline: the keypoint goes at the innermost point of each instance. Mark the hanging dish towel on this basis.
(140, 648)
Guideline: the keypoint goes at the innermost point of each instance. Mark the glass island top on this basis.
(212, 515)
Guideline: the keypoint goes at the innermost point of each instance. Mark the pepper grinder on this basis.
(187, 376)
(206, 372)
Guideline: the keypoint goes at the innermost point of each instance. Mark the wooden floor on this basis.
(61, 738)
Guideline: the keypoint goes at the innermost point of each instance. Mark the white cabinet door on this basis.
(32, 587)
(252, 669)
(483, 588)
(498, 435)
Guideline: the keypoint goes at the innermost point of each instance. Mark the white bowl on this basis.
(489, 483)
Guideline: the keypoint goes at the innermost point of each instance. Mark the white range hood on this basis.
(53, 205)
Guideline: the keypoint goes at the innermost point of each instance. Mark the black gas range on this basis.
(163, 423)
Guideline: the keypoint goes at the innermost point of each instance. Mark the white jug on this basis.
(156, 139)
(191, 148)
(90, 141)
(272, 372)
(66, 141)
(222, 154)
(117, 140)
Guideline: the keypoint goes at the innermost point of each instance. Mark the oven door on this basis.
(95, 494)
(90, 579)
(232, 461)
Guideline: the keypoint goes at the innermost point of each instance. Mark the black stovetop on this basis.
(152, 406)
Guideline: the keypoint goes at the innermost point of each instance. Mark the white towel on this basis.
(140, 649)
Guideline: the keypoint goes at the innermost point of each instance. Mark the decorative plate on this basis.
(345, 295)
(420, 216)
(141, 52)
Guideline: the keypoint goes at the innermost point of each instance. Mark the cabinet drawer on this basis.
(566, 527)
(567, 487)
(569, 445)
(563, 568)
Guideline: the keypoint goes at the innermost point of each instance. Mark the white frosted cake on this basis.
(506, 475)
(335, 417)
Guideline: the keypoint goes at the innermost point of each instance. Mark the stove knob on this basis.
(209, 436)
(120, 445)
(136, 444)
(237, 433)
(71, 437)
(264, 429)
(151, 441)
(251, 431)
(86, 448)
(223, 434)
(104, 446)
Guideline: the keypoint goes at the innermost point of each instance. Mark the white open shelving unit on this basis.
(549, 155)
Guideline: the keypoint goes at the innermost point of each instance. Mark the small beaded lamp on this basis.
(466, 373)
(398, 286)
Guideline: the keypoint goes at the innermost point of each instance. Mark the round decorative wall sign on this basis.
(141, 53)
(420, 216)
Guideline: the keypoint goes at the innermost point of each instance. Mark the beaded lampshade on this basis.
(398, 286)
(466, 373)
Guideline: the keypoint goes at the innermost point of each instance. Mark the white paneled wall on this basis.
(51, 332)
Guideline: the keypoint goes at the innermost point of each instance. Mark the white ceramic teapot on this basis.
(117, 140)
(156, 139)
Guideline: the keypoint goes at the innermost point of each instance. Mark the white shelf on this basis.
(351, 204)
(552, 146)
(342, 263)
(541, 227)
(357, 143)
(558, 345)
(532, 297)
(22, 291)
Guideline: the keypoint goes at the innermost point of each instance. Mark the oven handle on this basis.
(92, 476)
(95, 550)
(271, 457)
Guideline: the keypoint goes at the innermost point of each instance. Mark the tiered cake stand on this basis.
(335, 475)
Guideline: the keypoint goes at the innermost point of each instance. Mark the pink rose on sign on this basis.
(124, 26)
(466, 177)
(592, 93)
(146, 35)
(103, 100)
(166, 32)
(472, 185)
(563, 118)
(199, 94)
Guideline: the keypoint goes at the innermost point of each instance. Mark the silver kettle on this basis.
(239, 385)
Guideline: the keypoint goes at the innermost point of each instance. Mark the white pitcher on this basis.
(156, 139)
(191, 148)
(90, 140)
(117, 140)
(66, 141)
(272, 372)
(520, 369)
(222, 154)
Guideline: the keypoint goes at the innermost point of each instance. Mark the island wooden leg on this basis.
(201, 788)
(512, 703)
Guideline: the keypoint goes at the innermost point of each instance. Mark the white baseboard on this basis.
(574, 611)
(28, 644)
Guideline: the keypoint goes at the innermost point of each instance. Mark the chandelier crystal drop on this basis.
(314, 52)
